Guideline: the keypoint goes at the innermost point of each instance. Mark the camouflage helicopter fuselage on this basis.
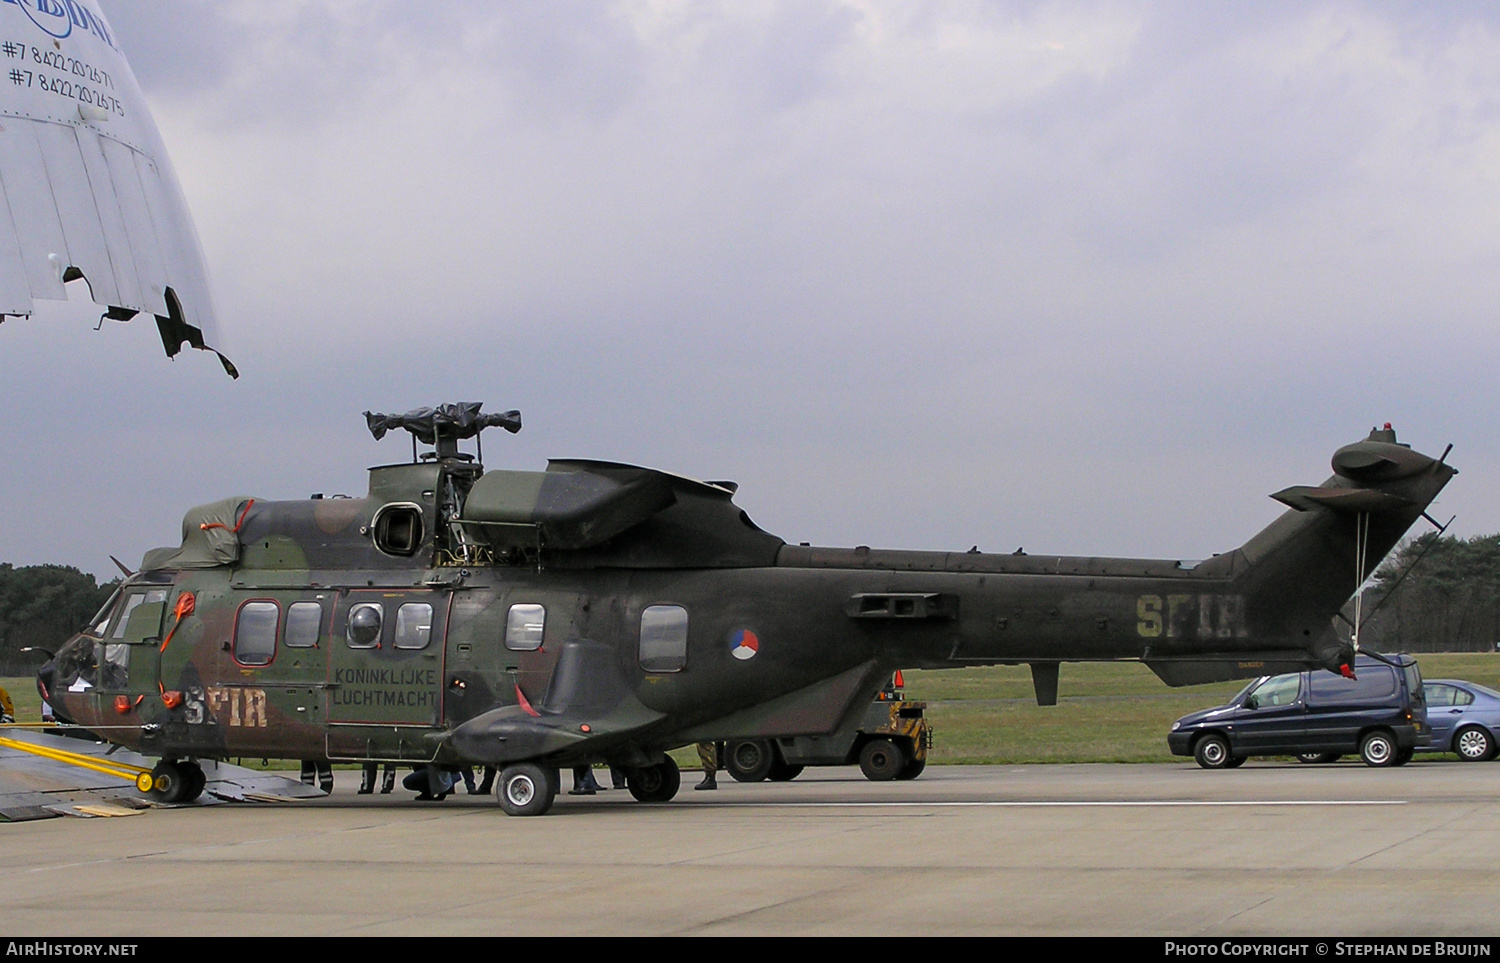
(602, 612)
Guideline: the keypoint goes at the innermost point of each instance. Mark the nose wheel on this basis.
(172, 782)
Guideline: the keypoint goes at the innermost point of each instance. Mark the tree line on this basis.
(42, 605)
(1435, 594)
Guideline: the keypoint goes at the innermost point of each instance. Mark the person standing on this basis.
(708, 755)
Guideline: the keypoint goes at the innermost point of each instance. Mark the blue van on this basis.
(1316, 716)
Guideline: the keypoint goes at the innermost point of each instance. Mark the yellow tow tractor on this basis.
(890, 741)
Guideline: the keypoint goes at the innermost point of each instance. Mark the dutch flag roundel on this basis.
(743, 644)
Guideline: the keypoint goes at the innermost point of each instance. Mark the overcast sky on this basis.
(1088, 278)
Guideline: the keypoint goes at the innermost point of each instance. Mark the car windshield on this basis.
(1246, 690)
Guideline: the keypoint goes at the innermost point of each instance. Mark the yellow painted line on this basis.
(120, 770)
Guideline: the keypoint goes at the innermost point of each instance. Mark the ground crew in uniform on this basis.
(708, 755)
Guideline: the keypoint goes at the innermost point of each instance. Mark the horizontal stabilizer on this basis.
(1305, 498)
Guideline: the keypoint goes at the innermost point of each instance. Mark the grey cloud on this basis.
(924, 281)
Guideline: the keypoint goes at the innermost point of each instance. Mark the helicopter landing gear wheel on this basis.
(195, 781)
(525, 789)
(171, 782)
(658, 783)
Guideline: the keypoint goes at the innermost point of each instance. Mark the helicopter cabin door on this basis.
(385, 672)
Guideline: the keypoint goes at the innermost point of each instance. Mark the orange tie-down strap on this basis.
(240, 521)
(186, 602)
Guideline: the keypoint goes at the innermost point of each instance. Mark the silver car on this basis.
(1464, 717)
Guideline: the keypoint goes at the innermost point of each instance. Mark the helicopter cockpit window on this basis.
(255, 633)
(114, 664)
(133, 600)
(413, 625)
(365, 620)
(663, 638)
(101, 618)
(304, 622)
(523, 627)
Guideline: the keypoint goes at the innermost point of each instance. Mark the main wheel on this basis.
(658, 783)
(525, 789)
(749, 760)
(1317, 758)
(912, 769)
(1212, 752)
(1473, 744)
(881, 759)
(1378, 749)
(169, 782)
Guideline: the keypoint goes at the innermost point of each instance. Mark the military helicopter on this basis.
(602, 612)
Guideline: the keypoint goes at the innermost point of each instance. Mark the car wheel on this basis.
(1317, 758)
(1378, 749)
(749, 760)
(881, 760)
(1235, 762)
(1212, 752)
(525, 790)
(1473, 744)
(655, 784)
(1403, 756)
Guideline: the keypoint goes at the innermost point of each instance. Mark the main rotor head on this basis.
(443, 426)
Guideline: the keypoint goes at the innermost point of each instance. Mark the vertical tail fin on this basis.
(1297, 573)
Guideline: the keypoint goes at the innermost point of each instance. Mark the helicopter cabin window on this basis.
(398, 529)
(413, 625)
(523, 627)
(663, 638)
(365, 621)
(304, 622)
(255, 633)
